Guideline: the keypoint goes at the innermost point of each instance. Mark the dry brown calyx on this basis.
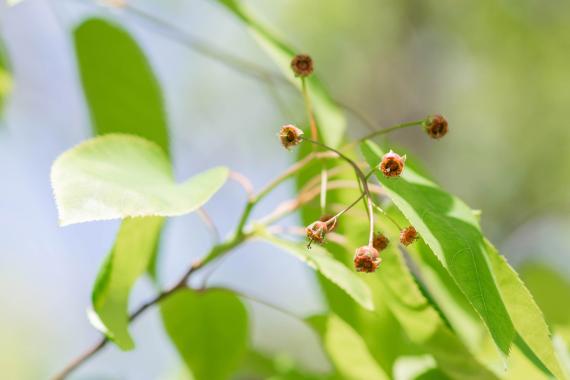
(316, 232)
(408, 235)
(392, 164)
(436, 126)
(302, 65)
(289, 135)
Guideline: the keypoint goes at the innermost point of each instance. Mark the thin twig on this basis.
(74, 364)
(332, 172)
(292, 170)
(81, 359)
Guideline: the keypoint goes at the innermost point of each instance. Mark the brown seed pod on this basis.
(316, 232)
(380, 242)
(366, 259)
(436, 126)
(332, 224)
(408, 235)
(392, 164)
(302, 65)
(290, 136)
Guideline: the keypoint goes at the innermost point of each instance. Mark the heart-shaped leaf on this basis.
(119, 176)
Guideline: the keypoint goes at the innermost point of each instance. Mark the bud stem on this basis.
(314, 136)
(309, 109)
(352, 204)
(383, 212)
(324, 183)
(384, 131)
(363, 180)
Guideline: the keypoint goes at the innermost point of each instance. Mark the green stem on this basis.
(384, 131)
(255, 199)
(245, 216)
(314, 136)
(363, 180)
(353, 203)
(324, 185)
(309, 109)
(383, 212)
(391, 129)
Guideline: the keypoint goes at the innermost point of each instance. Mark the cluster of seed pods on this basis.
(367, 257)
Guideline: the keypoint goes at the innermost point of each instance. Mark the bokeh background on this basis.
(498, 69)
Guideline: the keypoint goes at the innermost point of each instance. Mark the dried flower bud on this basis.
(302, 65)
(380, 242)
(408, 235)
(436, 126)
(331, 223)
(392, 164)
(316, 232)
(290, 136)
(366, 259)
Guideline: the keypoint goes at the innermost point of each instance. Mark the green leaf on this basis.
(209, 330)
(127, 261)
(548, 286)
(346, 349)
(527, 317)
(380, 326)
(281, 366)
(118, 176)
(120, 88)
(421, 320)
(119, 85)
(123, 96)
(330, 119)
(449, 228)
(417, 367)
(454, 305)
(319, 259)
